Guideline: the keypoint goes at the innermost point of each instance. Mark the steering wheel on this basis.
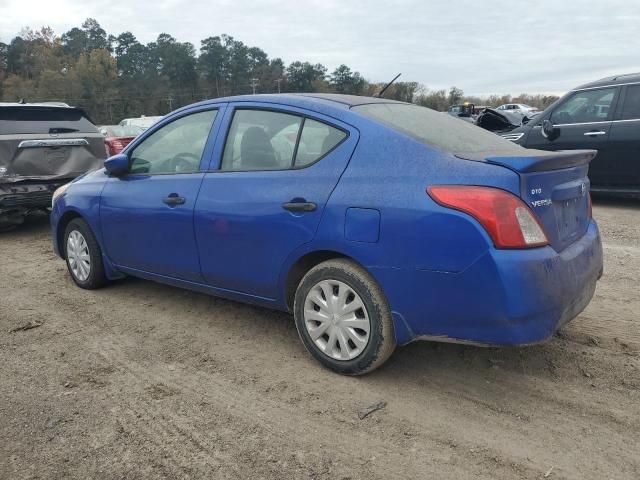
(184, 162)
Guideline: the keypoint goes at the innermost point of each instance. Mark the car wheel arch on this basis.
(62, 226)
(302, 265)
(65, 219)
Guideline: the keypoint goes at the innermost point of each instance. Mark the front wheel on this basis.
(343, 318)
(83, 254)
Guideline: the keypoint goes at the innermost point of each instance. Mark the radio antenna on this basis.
(379, 94)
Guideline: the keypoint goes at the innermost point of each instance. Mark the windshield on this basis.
(439, 130)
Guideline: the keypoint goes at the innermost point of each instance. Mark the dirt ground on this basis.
(140, 380)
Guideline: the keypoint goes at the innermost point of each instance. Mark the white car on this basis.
(142, 121)
(520, 108)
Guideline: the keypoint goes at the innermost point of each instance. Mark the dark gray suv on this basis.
(42, 146)
(604, 116)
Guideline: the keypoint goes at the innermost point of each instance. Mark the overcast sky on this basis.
(481, 46)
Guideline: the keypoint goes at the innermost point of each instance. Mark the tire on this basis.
(87, 245)
(347, 283)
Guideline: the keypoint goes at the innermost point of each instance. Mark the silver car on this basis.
(520, 108)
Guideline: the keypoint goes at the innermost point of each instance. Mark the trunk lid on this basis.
(556, 187)
(47, 143)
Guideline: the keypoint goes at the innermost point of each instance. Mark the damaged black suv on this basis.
(42, 146)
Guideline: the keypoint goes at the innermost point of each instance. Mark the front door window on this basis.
(176, 147)
(585, 107)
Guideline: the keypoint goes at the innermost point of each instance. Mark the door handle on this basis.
(174, 199)
(594, 133)
(299, 206)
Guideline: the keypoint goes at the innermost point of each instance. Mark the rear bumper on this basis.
(26, 196)
(507, 297)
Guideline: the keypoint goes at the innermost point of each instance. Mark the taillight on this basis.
(507, 219)
(114, 145)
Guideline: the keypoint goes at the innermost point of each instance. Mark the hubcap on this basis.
(78, 256)
(337, 320)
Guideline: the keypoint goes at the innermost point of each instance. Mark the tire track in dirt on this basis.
(251, 409)
(438, 436)
(241, 403)
(222, 386)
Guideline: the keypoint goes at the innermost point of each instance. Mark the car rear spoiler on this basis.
(539, 161)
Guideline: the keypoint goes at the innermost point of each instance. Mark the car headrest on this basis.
(256, 150)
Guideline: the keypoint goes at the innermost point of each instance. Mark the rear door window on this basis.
(44, 120)
(270, 140)
(585, 107)
(631, 106)
(317, 139)
(261, 140)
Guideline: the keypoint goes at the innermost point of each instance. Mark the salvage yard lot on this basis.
(141, 380)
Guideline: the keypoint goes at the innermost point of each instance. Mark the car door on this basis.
(584, 119)
(147, 215)
(265, 197)
(624, 143)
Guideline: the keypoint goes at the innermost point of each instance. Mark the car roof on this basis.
(42, 104)
(615, 80)
(332, 104)
(350, 100)
(304, 100)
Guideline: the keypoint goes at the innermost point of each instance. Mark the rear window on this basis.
(440, 130)
(41, 120)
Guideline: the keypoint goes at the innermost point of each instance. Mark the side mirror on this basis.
(549, 130)
(117, 165)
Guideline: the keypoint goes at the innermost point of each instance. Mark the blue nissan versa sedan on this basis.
(375, 222)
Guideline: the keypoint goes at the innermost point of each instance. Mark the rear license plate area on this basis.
(568, 217)
(56, 155)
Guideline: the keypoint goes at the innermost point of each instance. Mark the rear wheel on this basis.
(83, 254)
(343, 318)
